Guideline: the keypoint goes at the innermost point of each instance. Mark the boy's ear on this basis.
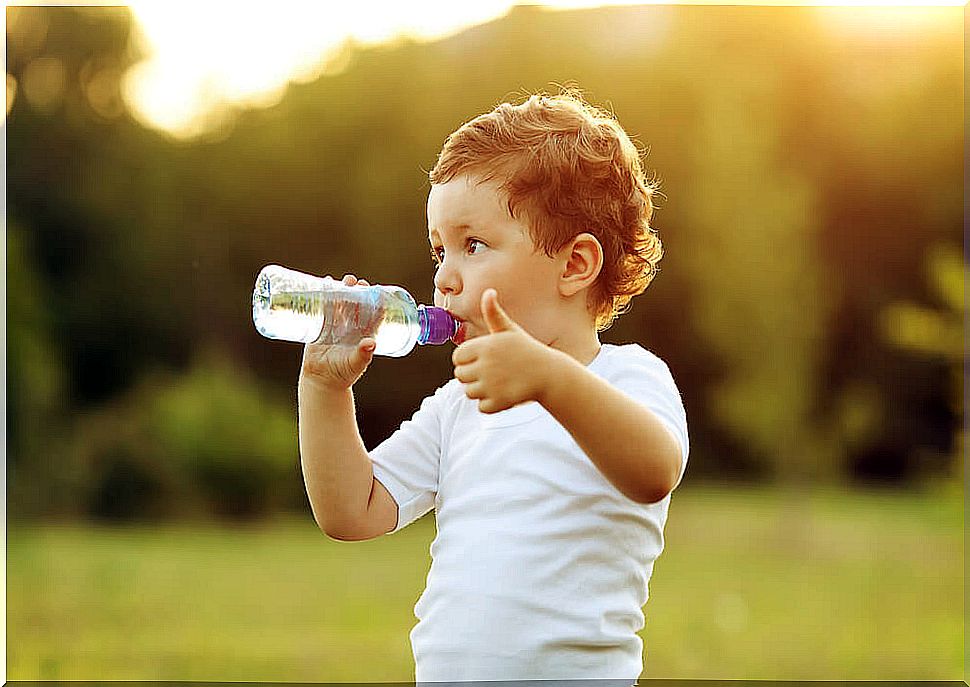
(582, 262)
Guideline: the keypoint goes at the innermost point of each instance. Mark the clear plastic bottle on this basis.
(294, 306)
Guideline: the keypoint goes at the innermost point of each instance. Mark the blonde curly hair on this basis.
(571, 168)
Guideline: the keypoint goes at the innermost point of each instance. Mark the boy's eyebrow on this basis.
(462, 228)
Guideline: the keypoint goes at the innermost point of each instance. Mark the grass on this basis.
(849, 585)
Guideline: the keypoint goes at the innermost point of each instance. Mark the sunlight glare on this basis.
(891, 22)
(206, 60)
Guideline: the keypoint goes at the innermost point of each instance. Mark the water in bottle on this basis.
(294, 306)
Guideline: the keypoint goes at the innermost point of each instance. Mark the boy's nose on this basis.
(446, 280)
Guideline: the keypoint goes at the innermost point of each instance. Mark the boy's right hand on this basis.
(338, 367)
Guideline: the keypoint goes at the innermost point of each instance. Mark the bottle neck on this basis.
(437, 325)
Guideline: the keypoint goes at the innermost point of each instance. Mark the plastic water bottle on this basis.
(294, 306)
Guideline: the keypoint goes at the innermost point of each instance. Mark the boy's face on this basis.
(478, 245)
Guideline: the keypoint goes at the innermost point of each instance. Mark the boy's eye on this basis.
(472, 246)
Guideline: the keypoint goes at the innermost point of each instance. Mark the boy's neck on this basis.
(582, 346)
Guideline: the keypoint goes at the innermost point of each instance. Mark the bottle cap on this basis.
(437, 325)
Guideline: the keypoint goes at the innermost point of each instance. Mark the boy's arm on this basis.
(347, 502)
(623, 438)
(627, 442)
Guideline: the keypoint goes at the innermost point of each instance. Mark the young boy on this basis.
(549, 459)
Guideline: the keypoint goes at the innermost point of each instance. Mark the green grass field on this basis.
(870, 587)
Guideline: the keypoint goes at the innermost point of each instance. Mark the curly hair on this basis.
(570, 168)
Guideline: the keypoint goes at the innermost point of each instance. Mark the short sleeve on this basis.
(647, 378)
(406, 463)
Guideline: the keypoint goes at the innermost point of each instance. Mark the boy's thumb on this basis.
(496, 318)
(365, 351)
(367, 346)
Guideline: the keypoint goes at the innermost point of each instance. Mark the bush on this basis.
(237, 447)
(209, 442)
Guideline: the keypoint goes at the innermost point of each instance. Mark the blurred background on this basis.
(810, 306)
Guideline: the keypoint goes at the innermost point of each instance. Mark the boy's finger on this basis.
(463, 354)
(496, 318)
(465, 374)
(364, 352)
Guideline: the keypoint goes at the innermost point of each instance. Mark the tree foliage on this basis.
(808, 174)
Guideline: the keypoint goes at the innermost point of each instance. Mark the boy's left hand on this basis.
(505, 367)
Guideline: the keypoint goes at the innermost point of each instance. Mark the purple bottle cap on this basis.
(437, 325)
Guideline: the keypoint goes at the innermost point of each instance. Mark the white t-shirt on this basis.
(540, 566)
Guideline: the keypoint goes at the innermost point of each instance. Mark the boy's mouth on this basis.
(460, 334)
